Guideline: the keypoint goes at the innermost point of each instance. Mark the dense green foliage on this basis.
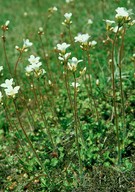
(54, 136)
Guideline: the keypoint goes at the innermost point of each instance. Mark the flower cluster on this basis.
(34, 67)
(63, 56)
(83, 39)
(9, 89)
(67, 22)
(122, 17)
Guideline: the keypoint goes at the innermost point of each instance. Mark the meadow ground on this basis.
(67, 95)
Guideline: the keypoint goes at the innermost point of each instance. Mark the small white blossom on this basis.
(97, 82)
(134, 55)
(122, 12)
(132, 22)
(29, 69)
(116, 29)
(64, 57)
(90, 21)
(49, 82)
(92, 43)
(69, 1)
(10, 91)
(75, 85)
(83, 71)
(36, 66)
(72, 64)
(62, 47)
(27, 43)
(109, 22)
(32, 59)
(54, 8)
(68, 16)
(82, 38)
(8, 83)
(7, 22)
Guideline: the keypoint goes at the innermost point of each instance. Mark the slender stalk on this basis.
(91, 90)
(71, 38)
(67, 85)
(44, 54)
(51, 101)
(16, 65)
(76, 125)
(29, 141)
(121, 86)
(43, 117)
(114, 98)
(13, 125)
(5, 53)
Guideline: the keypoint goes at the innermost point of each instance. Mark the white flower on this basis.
(82, 38)
(122, 12)
(1, 68)
(97, 82)
(8, 83)
(90, 21)
(109, 22)
(7, 22)
(10, 91)
(92, 43)
(62, 47)
(29, 69)
(68, 16)
(0, 96)
(75, 85)
(134, 55)
(72, 64)
(116, 29)
(54, 9)
(27, 43)
(64, 57)
(35, 66)
(83, 71)
(32, 59)
(69, 1)
(132, 22)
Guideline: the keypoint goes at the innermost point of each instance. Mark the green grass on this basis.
(77, 147)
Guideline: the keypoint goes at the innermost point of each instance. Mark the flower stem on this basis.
(76, 126)
(29, 141)
(114, 99)
(121, 86)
